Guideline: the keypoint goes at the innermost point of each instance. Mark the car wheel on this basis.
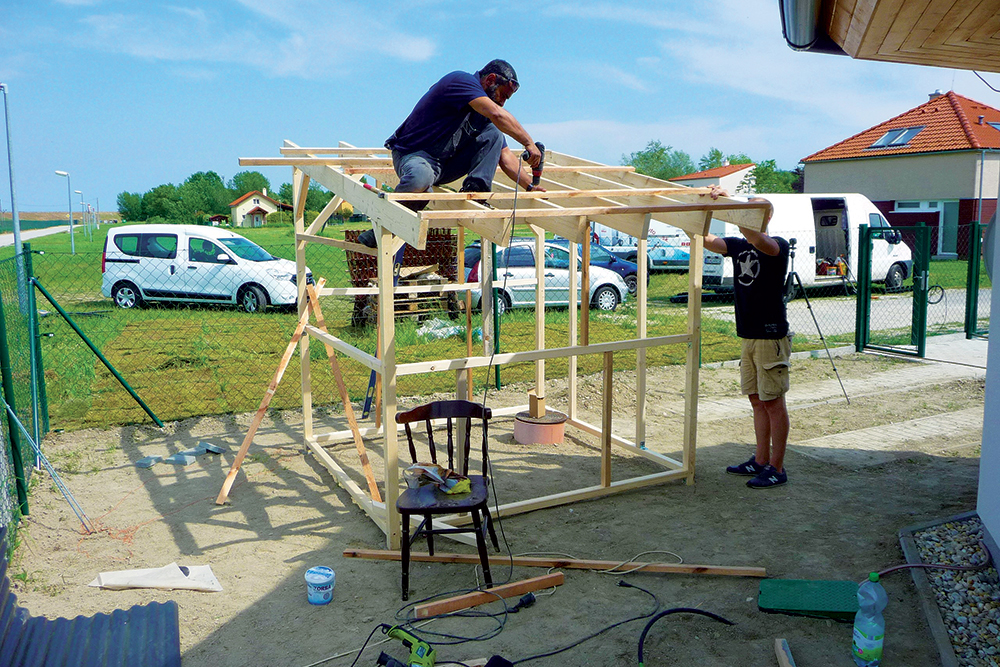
(606, 298)
(894, 278)
(632, 282)
(127, 295)
(252, 299)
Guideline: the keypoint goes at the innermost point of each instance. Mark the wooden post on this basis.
(387, 353)
(486, 291)
(537, 399)
(642, 297)
(574, 294)
(609, 371)
(468, 317)
(300, 189)
(585, 294)
(693, 354)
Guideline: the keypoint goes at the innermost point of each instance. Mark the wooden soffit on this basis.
(960, 34)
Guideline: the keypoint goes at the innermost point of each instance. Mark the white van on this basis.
(194, 264)
(825, 228)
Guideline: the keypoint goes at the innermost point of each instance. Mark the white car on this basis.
(607, 288)
(194, 264)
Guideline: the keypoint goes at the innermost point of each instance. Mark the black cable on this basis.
(985, 81)
(622, 583)
(406, 620)
(363, 646)
(675, 610)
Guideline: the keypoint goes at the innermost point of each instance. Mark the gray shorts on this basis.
(764, 367)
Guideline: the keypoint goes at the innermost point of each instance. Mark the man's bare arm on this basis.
(715, 244)
(506, 123)
(761, 241)
(511, 165)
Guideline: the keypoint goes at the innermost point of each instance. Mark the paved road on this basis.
(28, 234)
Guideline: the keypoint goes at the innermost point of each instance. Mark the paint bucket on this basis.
(319, 584)
(544, 430)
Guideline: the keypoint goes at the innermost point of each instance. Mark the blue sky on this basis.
(128, 95)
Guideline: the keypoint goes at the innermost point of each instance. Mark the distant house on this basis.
(734, 178)
(217, 220)
(252, 209)
(937, 163)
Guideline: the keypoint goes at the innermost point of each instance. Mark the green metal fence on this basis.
(20, 370)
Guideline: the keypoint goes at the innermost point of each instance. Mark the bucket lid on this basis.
(319, 574)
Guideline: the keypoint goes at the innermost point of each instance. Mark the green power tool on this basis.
(421, 653)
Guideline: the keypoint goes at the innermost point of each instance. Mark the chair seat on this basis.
(429, 499)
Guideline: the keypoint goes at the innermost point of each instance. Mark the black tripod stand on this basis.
(792, 283)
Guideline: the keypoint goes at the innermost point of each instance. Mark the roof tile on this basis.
(951, 122)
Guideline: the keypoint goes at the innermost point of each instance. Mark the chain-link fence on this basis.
(197, 321)
(20, 372)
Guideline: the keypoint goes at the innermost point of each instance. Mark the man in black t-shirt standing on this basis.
(759, 266)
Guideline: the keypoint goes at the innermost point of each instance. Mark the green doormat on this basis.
(802, 597)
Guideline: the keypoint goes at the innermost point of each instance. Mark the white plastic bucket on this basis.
(319, 584)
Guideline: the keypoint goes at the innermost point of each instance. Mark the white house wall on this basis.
(729, 183)
(924, 177)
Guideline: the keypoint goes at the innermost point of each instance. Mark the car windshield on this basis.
(245, 249)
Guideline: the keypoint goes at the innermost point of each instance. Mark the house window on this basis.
(995, 126)
(898, 137)
(911, 206)
(903, 205)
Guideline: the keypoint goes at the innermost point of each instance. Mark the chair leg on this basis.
(429, 531)
(481, 545)
(489, 526)
(405, 525)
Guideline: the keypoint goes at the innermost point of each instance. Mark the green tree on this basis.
(716, 158)
(768, 178)
(130, 206)
(248, 181)
(660, 161)
(318, 197)
(285, 193)
(163, 201)
(204, 192)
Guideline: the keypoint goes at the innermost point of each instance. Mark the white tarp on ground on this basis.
(169, 577)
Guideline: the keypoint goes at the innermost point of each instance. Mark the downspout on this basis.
(800, 21)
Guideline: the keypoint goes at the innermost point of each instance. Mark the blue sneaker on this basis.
(750, 468)
(767, 478)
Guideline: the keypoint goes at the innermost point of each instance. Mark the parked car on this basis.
(601, 257)
(607, 288)
(671, 251)
(194, 264)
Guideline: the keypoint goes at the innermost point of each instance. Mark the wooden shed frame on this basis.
(577, 192)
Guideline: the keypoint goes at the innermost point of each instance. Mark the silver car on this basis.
(607, 288)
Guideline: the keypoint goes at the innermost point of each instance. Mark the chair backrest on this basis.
(452, 411)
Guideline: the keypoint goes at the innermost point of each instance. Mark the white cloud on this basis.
(300, 39)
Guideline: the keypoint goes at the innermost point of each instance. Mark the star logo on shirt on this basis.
(748, 266)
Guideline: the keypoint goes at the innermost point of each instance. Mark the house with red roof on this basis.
(938, 163)
(730, 177)
(252, 209)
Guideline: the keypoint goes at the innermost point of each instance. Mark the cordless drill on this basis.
(536, 172)
(421, 653)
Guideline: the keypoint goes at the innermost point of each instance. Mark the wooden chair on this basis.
(428, 500)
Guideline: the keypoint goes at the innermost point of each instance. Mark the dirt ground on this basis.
(837, 518)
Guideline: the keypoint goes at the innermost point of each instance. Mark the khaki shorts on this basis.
(764, 367)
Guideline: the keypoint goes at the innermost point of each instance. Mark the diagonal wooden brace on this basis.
(342, 388)
(262, 410)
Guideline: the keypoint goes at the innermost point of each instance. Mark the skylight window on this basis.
(898, 137)
(995, 126)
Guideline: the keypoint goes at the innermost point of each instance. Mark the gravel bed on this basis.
(969, 601)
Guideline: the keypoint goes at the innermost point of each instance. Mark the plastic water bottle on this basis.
(869, 625)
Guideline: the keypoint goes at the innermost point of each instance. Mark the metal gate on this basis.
(893, 319)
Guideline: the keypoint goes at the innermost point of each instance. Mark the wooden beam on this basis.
(337, 243)
(691, 382)
(387, 355)
(563, 563)
(549, 195)
(449, 605)
(672, 207)
(608, 405)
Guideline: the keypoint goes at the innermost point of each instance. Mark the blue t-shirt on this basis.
(439, 115)
(759, 285)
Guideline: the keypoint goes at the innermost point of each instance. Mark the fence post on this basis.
(40, 402)
(921, 272)
(14, 435)
(972, 281)
(861, 320)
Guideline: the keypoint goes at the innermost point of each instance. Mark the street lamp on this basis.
(10, 163)
(69, 198)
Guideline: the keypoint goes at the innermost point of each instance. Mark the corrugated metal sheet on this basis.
(145, 635)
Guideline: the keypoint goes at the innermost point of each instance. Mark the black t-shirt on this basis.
(759, 284)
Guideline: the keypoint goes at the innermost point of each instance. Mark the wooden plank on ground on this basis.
(468, 600)
(563, 563)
